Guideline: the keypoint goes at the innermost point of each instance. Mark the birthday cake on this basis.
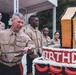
(60, 59)
(55, 61)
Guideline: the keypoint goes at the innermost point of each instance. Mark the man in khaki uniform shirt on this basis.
(14, 44)
(34, 33)
(46, 38)
(2, 25)
(36, 36)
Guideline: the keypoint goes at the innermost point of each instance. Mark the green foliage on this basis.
(46, 16)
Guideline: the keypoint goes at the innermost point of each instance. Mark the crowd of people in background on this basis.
(28, 41)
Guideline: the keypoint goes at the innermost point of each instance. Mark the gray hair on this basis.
(18, 14)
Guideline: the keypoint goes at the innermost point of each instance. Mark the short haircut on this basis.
(18, 14)
(31, 17)
(45, 28)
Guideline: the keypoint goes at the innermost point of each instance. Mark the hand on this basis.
(26, 49)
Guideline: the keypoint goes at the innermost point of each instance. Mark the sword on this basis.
(22, 51)
(18, 51)
(12, 52)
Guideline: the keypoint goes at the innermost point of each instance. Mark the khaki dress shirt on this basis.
(2, 26)
(23, 28)
(36, 37)
(53, 41)
(12, 42)
(46, 40)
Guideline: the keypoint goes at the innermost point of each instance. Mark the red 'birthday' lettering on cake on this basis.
(60, 56)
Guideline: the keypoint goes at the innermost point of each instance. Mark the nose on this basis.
(21, 24)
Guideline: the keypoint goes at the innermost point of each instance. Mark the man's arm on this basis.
(29, 45)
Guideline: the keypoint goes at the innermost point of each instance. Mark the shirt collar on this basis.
(33, 28)
(45, 36)
(12, 32)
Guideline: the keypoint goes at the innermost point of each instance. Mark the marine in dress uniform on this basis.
(46, 38)
(36, 37)
(14, 43)
(2, 25)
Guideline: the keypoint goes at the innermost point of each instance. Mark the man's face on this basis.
(46, 31)
(35, 22)
(17, 23)
(0, 16)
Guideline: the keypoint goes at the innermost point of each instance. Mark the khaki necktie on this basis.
(11, 47)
